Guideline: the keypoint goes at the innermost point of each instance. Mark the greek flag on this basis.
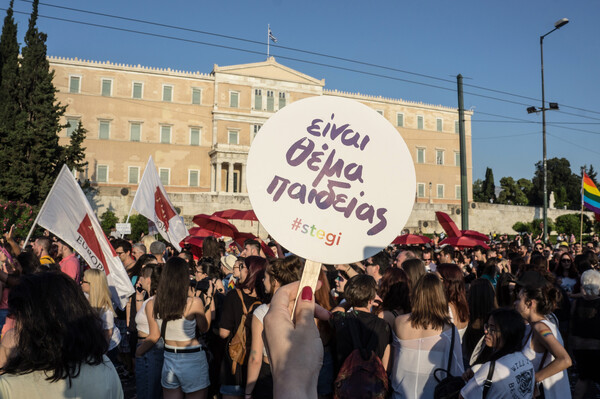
(272, 37)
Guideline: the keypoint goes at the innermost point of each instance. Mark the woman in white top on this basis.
(148, 368)
(94, 284)
(259, 383)
(512, 374)
(422, 341)
(543, 343)
(185, 367)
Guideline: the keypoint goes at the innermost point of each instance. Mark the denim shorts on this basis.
(232, 390)
(186, 370)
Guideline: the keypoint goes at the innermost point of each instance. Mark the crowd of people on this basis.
(408, 322)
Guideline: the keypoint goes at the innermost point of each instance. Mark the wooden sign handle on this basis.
(310, 277)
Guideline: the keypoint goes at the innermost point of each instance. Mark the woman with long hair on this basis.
(482, 301)
(566, 273)
(174, 316)
(511, 372)
(148, 367)
(414, 269)
(94, 284)
(454, 288)
(422, 341)
(279, 272)
(60, 345)
(248, 294)
(394, 292)
(544, 345)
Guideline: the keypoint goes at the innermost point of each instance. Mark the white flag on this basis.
(272, 37)
(67, 214)
(152, 201)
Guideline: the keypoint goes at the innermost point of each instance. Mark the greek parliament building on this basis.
(198, 127)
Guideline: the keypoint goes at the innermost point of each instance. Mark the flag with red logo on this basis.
(152, 201)
(67, 214)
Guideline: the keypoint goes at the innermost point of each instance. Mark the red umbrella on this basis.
(201, 232)
(215, 224)
(463, 242)
(195, 244)
(239, 238)
(448, 224)
(411, 239)
(475, 234)
(236, 214)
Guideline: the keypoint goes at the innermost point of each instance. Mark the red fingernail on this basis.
(307, 293)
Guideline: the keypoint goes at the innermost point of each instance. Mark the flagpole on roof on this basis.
(268, 39)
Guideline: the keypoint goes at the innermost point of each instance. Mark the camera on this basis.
(202, 285)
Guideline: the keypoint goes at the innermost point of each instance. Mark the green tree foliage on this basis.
(561, 181)
(139, 225)
(108, 221)
(534, 227)
(478, 191)
(571, 224)
(488, 187)
(521, 227)
(74, 154)
(511, 193)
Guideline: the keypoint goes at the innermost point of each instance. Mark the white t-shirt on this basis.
(108, 322)
(513, 377)
(260, 313)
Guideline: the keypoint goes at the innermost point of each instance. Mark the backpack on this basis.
(237, 345)
(449, 387)
(362, 374)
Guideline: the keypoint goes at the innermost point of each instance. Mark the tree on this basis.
(74, 154)
(571, 224)
(108, 221)
(139, 225)
(561, 181)
(488, 187)
(478, 191)
(511, 193)
(9, 105)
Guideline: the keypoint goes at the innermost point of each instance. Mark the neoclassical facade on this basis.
(198, 127)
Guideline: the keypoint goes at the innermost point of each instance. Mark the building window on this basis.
(234, 98)
(134, 174)
(281, 100)
(196, 96)
(456, 127)
(135, 131)
(258, 99)
(107, 87)
(194, 178)
(74, 84)
(72, 125)
(164, 176)
(456, 158)
(420, 155)
(380, 112)
(421, 190)
(270, 101)
(439, 124)
(420, 122)
(167, 93)
(102, 173)
(400, 120)
(233, 137)
(165, 134)
(137, 90)
(194, 136)
(255, 129)
(440, 191)
(457, 191)
(104, 130)
(439, 157)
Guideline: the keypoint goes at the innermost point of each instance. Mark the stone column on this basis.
(218, 177)
(213, 177)
(230, 177)
(243, 178)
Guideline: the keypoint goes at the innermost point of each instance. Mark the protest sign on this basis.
(123, 228)
(331, 179)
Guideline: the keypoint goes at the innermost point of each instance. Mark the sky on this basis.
(414, 50)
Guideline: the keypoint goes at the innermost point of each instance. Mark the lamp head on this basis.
(561, 22)
(531, 110)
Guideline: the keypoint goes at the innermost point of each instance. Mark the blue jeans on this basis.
(3, 314)
(148, 369)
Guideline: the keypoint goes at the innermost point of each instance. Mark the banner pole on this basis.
(581, 223)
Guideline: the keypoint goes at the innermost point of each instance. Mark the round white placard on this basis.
(331, 179)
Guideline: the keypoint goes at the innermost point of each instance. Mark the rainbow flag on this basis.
(591, 195)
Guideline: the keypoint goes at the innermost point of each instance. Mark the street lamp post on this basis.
(557, 25)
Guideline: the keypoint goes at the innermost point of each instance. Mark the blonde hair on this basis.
(99, 293)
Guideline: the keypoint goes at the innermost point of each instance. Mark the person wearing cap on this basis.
(228, 267)
(544, 345)
(157, 249)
